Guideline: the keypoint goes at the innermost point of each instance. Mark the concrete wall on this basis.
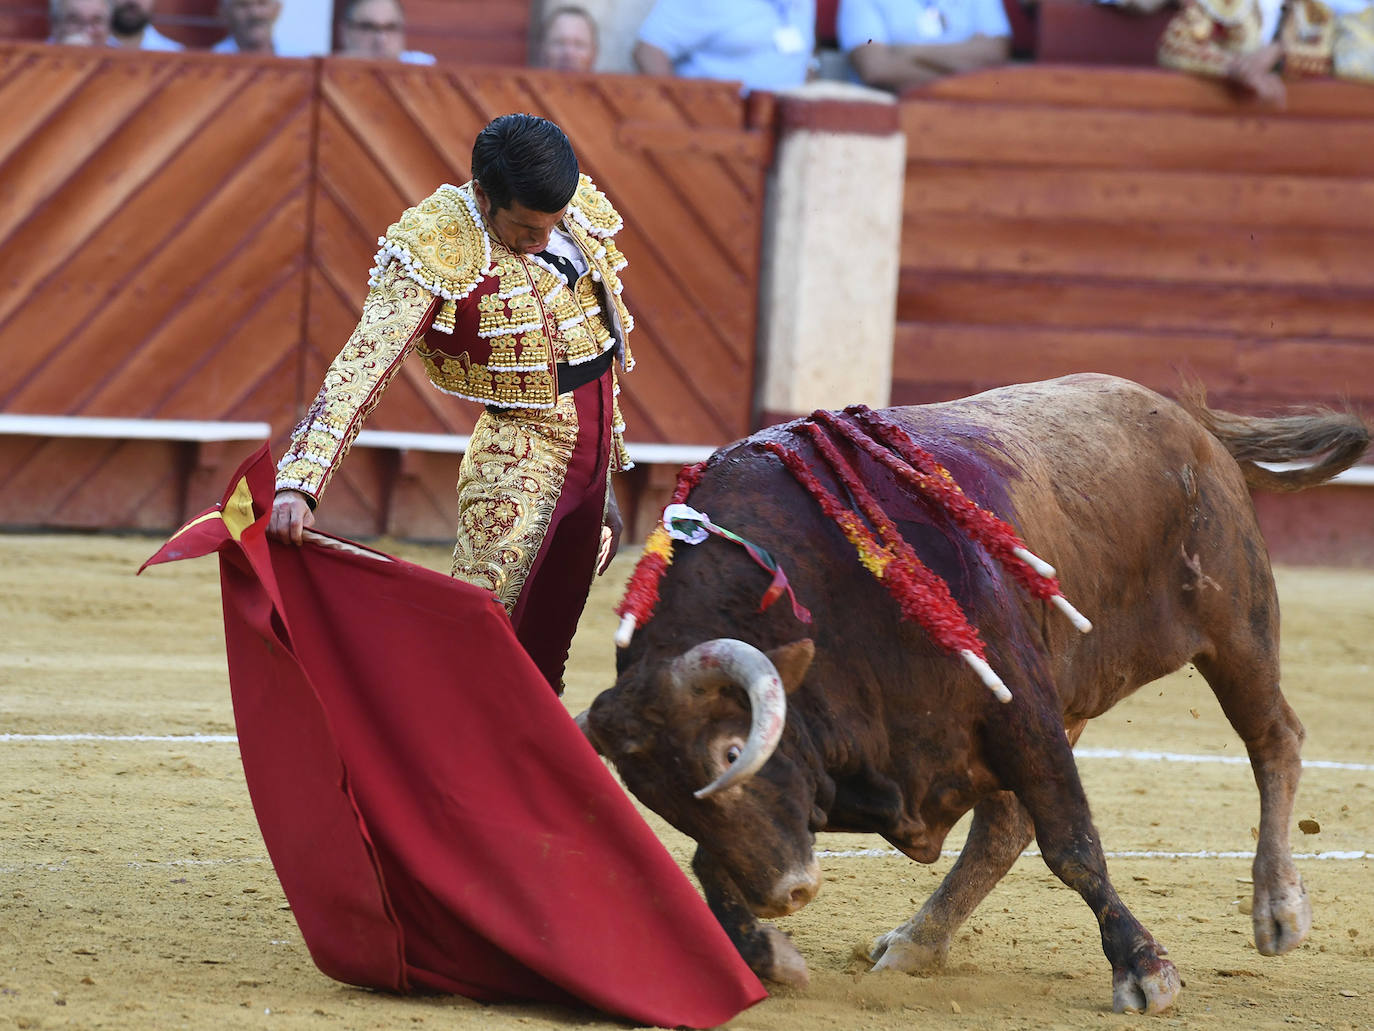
(831, 251)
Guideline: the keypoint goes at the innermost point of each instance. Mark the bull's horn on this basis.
(747, 666)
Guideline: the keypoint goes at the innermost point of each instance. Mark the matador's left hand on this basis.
(610, 535)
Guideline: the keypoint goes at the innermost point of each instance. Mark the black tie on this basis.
(564, 266)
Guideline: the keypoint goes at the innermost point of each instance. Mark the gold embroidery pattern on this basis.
(1308, 37)
(441, 243)
(460, 376)
(591, 209)
(508, 487)
(393, 313)
(1354, 46)
(620, 455)
(1207, 35)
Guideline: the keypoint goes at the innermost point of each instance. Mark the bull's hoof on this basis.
(786, 965)
(1150, 987)
(896, 951)
(1282, 918)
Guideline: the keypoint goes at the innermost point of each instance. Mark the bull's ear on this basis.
(792, 661)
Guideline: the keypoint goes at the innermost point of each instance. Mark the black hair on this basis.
(526, 159)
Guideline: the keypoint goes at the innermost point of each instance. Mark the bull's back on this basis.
(1143, 513)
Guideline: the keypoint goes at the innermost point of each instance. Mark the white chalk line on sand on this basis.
(188, 739)
(1080, 753)
(866, 853)
(1226, 760)
(950, 853)
(66, 866)
(136, 864)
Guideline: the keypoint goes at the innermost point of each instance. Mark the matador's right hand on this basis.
(291, 514)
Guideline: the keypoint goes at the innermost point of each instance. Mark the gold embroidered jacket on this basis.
(1207, 35)
(500, 321)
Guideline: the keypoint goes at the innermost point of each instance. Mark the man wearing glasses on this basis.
(376, 29)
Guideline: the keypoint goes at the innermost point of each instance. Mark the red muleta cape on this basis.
(435, 816)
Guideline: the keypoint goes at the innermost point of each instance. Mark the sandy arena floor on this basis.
(135, 891)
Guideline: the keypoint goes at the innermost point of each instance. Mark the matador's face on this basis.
(522, 229)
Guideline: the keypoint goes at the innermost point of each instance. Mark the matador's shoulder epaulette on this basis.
(441, 242)
(592, 211)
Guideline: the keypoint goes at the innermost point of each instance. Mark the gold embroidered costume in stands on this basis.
(500, 324)
(1353, 48)
(1208, 35)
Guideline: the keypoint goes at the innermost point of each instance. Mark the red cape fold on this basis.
(435, 816)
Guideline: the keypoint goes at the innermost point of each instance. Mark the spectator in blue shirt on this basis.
(131, 25)
(765, 44)
(893, 44)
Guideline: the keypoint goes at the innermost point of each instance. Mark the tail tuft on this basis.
(1326, 441)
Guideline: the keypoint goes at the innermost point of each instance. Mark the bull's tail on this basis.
(1327, 442)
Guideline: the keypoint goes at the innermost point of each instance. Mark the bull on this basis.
(1142, 505)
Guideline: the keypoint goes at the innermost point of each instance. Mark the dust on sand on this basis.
(135, 890)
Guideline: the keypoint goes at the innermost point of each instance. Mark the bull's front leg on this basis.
(1143, 980)
(1000, 832)
(769, 953)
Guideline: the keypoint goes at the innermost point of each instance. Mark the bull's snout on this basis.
(793, 890)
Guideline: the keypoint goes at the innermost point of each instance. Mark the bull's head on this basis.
(696, 738)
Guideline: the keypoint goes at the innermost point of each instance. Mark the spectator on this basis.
(131, 25)
(569, 41)
(765, 44)
(893, 44)
(377, 29)
(81, 23)
(1232, 40)
(250, 26)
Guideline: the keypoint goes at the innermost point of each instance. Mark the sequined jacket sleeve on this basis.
(396, 314)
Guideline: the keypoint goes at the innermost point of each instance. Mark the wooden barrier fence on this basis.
(1138, 222)
(188, 237)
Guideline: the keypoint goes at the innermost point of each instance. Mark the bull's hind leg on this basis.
(1245, 681)
(1000, 832)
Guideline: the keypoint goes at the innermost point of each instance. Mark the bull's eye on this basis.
(732, 755)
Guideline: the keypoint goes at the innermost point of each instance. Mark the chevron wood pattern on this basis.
(188, 237)
(1140, 222)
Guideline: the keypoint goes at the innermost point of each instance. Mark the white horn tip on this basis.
(1034, 561)
(625, 631)
(986, 674)
(1075, 617)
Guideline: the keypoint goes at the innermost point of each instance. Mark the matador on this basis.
(508, 288)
